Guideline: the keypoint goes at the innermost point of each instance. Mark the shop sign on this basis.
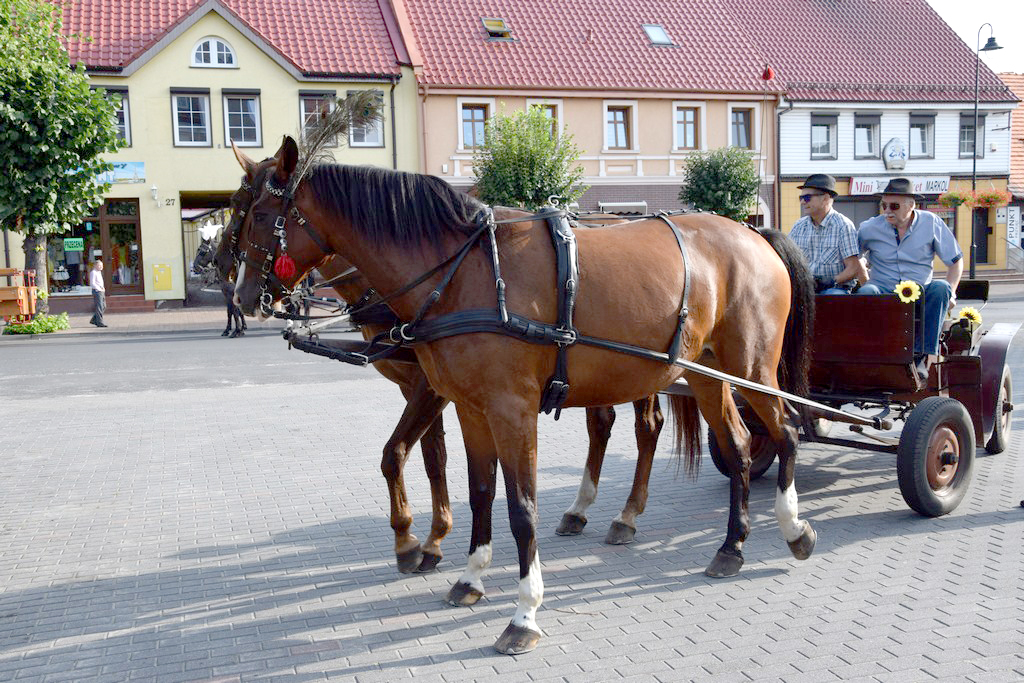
(124, 172)
(922, 184)
(74, 244)
(1012, 224)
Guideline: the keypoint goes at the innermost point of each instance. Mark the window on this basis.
(191, 118)
(968, 141)
(552, 110)
(496, 29)
(741, 128)
(657, 34)
(371, 135)
(474, 118)
(122, 120)
(922, 136)
(687, 132)
(314, 104)
(213, 53)
(618, 126)
(865, 136)
(242, 117)
(823, 136)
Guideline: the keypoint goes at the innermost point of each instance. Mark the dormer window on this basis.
(657, 34)
(213, 53)
(496, 29)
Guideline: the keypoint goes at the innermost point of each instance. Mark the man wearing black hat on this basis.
(901, 243)
(827, 238)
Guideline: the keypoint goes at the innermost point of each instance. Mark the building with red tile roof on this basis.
(190, 77)
(1016, 185)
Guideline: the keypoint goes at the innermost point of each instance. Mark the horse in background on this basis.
(204, 264)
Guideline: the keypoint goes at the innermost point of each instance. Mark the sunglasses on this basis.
(809, 197)
(890, 205)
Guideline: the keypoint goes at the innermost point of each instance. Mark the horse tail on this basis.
(686, 419)
(796, 346)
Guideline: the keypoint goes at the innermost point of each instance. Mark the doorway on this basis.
(981, 231)
(113, 235)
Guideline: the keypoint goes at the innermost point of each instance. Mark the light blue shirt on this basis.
(893, 260)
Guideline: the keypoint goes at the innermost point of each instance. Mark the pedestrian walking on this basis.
(99, 294)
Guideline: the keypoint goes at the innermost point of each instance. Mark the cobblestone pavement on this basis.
(240, 533)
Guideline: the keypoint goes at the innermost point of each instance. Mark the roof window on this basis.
(496, 29)
(657, 34)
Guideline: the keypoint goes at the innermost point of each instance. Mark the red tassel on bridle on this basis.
(284, 267)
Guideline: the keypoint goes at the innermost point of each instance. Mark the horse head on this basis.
(277, 245)
(227, 252)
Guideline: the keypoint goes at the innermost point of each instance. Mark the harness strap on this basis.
(566, 282)
(677, 338)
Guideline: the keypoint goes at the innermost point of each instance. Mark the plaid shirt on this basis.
(826, 245)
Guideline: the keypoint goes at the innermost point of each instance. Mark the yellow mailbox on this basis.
(161, 276)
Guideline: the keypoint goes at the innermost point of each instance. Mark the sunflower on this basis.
(909, 291)
(971, 314)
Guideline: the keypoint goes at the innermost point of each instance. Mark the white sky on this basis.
(1007, 18)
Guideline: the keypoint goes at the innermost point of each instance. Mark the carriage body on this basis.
(863, 355)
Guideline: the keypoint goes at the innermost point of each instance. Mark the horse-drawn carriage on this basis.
(863, 356)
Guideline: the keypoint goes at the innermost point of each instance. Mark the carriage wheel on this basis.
(1001, 428)
(762, 454)
(935, 456)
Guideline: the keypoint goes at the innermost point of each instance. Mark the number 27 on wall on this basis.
(168, 202)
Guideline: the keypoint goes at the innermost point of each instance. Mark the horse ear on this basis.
(247, 164)
(288, 159)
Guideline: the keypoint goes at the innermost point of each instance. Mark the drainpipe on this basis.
(394, 127)
(423, 128)
(778, 162)
(7, 251)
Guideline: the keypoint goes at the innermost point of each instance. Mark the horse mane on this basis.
(395, 207)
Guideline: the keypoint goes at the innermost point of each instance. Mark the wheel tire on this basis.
(931, 484)
(1001, 429)
(762, 455)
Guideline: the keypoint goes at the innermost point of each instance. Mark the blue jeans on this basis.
(937, 294)
(835, 290)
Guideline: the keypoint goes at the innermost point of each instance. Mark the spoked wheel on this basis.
(1001, 430)
(762, 454)
(935, 456)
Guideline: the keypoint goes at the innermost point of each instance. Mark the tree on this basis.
(724, 180)
(53, 129)
(524, 160)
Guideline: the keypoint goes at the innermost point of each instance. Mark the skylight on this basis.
(496, 29)
(657, 34)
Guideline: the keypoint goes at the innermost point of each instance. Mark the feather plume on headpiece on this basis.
(360, 109)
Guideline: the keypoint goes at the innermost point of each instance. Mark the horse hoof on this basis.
(620, 534)
(804, 546)
(224, 333)
(241, 333)
(517, 640)
(571, 525)
(463, 595)
(724, 565)
(428, 563)
(409, 561)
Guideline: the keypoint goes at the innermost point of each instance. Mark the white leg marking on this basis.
(239, 278)
(585, 497)
(787, 514)
(477, 563)
(531, 594)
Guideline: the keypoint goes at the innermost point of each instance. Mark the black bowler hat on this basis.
(900, 186)
(820, 181)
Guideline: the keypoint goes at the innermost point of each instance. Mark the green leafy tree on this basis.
(525, 160)
(724, 180)
(53, 129)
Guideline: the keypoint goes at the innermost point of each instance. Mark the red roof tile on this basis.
(590, 44)
(325, 37)
(865, 50)
(1016, 83)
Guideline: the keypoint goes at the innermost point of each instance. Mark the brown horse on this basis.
(422, 419)
(746, 291)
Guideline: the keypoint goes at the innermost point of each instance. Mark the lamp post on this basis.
(989, 45)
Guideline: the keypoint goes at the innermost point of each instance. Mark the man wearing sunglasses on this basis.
(901, 244)
(827, 238)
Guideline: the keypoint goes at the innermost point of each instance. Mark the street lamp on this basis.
(989, 46)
